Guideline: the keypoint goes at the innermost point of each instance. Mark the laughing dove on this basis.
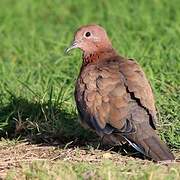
(114, 97)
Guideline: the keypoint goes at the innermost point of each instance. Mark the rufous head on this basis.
(90, 38)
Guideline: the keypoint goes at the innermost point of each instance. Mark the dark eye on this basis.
(87, 34)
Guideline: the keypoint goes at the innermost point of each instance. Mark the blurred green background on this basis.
(37, 79)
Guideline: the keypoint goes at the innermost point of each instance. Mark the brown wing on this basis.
(139, 87)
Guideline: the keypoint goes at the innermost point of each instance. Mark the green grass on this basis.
(37, 79)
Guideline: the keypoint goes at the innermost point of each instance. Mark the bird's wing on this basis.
(139, 87)
(101, 98)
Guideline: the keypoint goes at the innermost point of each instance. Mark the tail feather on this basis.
(157, 149)
(152, 147)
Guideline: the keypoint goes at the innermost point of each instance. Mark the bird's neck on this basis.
(90, 57)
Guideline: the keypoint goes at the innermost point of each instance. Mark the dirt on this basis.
(13, 156)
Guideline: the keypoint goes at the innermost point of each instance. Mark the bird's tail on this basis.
(151, 146)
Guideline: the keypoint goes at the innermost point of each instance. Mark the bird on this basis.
(113, 96)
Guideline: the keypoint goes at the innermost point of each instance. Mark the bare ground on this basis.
(14, 155)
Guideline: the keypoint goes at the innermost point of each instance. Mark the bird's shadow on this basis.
(41, 123)
(48, 124)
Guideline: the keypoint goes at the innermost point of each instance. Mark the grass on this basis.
(37, 79)
(108, 170)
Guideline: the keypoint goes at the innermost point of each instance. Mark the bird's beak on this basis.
(73, 46)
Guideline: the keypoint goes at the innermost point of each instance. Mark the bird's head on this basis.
(90, 38)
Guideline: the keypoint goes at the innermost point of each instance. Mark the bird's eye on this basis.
(87, 34)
